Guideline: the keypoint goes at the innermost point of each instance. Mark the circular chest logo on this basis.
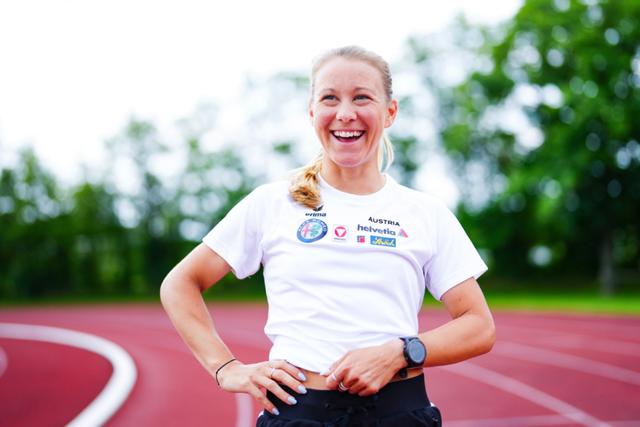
(312, 230)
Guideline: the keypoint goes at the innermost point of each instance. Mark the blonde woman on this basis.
(347, 254)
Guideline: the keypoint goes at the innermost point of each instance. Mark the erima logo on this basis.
(316, 212)
(384, 221)
(383, 241)
(376, 230)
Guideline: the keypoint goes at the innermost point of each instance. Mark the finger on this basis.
(356, 388)
(261, 397)
(335, 365)
(332, 381)
(285, 377)
(274, 388)
(292, 370)
(370, 388)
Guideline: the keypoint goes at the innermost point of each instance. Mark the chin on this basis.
(346, 162)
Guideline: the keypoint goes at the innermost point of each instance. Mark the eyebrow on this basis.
(357, 88)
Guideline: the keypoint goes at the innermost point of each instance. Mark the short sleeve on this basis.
(455, 258)
(236, 238)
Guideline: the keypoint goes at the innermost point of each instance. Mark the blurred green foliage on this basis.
(96, 240)
(542, 132)
(546, 123)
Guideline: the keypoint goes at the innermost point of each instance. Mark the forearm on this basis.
(185, 306)
(469, 335)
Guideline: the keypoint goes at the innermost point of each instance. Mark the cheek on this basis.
(372, 118)
(321, 120)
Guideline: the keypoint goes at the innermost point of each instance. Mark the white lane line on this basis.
(119, 385)
(244, 408)
(578, 341)
(526, 392)
(594, 324)
(567, 361)
(531, 421)
(4, 361)
(589, 343)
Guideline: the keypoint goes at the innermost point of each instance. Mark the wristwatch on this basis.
(414, 353)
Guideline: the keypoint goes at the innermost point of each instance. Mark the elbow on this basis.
(177, 285)
(167, 289)
(164, 291)
(489, 336)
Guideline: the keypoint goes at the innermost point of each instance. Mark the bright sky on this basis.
(72, 72)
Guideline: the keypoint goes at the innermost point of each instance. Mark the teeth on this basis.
(346, 134)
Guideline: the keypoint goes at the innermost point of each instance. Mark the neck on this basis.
(361, 181)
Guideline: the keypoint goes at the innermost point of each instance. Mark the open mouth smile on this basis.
(347, 135)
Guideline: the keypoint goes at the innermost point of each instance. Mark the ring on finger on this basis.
(342, 387)
(271, 373)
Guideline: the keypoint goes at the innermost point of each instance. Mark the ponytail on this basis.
(304, 187)
(385, 154)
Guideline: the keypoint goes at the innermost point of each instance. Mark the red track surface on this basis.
(545, 370)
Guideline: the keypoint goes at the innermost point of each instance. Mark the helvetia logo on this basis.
(402, 233)
(368, 229)
(383, 241)
(312, 230)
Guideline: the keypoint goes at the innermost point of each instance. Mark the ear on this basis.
(311, 113)
(392, 111)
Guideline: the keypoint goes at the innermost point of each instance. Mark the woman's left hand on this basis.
(365, 371)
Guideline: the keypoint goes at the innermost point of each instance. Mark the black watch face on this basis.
(416, 351)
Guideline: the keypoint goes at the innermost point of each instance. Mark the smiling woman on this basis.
(347, 254)
(350, 109)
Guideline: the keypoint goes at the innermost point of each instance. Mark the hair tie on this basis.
(223, 365)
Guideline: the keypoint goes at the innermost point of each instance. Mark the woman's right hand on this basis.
(255, 379)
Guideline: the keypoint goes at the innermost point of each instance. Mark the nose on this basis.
(346, 112)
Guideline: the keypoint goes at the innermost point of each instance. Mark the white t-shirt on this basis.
(349, 275)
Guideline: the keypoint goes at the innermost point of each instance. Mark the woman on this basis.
(347, 253)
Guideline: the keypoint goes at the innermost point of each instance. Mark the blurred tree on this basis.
(98, 242)
(33, 241)
(546, 126)
(140, 201)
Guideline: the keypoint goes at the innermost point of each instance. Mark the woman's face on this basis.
(349, 111)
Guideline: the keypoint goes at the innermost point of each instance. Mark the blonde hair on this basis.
(304, 184)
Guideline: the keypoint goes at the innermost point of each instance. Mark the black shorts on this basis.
(399, 404)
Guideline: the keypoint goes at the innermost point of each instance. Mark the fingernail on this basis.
(302, 389)
(292, 400)
(275, 411)
(325, 373)
(301, 376)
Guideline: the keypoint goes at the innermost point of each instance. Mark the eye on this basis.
(328, 98)
(361, 97)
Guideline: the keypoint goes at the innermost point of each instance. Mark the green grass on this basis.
(586, 303)
(627, 304)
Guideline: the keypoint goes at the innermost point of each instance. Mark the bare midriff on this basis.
(315, 381)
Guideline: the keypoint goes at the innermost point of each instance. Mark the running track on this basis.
(545, 370)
